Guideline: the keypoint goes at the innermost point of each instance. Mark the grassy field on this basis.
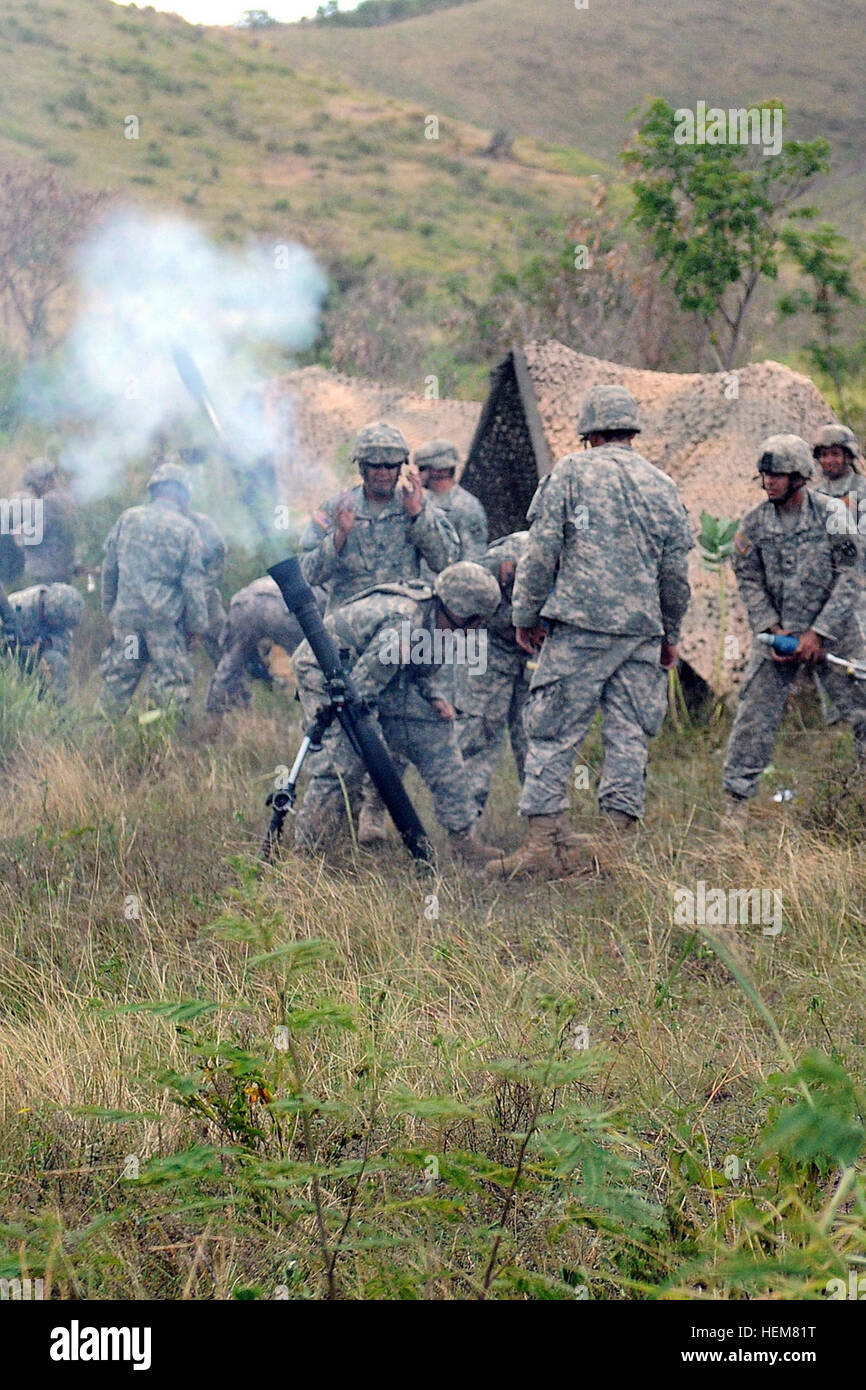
(340, 1080)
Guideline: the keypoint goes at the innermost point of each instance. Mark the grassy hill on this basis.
(546, 69)
(248, 144)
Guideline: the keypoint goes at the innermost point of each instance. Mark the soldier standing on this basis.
(52, 559)
(153, 593)
(437, 462)
(837, 454)
(606, 564)
(46, 616)
(494, 699)
(796, 573)
(373, 534)
(394, 636)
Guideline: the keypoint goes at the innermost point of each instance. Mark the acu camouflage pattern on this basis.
(496, 700)
(384, 545)
(153, 593)
(47, 616)
(53, 559)
(401, 695)
(380, 442)
(839, 435)
(785, 453)
(607, 562)
(806, 577)
(257, 614)
(468, 518)
(605, 408)
(213, 554)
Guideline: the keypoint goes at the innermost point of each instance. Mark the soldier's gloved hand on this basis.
(811, 649)
(443, 709)
(345, 519)
(668, 657)
(529, 639)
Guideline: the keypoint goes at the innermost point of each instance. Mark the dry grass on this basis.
(415, 1005)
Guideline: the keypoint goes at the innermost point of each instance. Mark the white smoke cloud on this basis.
(147, 283)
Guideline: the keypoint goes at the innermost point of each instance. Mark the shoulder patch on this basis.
(742, 544)
(847, 552)
(322, 519)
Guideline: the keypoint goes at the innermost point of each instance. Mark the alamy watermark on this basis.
(742, 125)
(732, 907)
(421, 646)
(22, 517)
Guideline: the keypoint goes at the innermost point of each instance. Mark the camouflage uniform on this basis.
(385, 543)
(606, 565)
(53, 559)
(492, 701)
(808, 576)
(850, 488)
(47, 614)
(153, 592)
(256, 614)
(468, 518)
(402, 695)
(214, 553)
(11, 560)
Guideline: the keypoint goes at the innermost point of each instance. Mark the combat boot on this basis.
(372, 824)
(621, 820)
(550, 847)
(736, 814)
(464, 846)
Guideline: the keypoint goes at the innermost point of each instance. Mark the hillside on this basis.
(248, 145)
(546, 69)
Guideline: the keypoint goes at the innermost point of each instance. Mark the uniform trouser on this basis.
(763, 696)
(620, 676)
(127, 656)
(430, 746)
(494, 701)
(56, 665)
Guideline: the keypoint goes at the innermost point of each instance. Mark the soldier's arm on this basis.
(194, 587)
(536, 570)
(674, 589)
(319, 559)
(752, 582)
(434, 537)
(847, 592)
(109, 571)
(379, 663)
(474, 532)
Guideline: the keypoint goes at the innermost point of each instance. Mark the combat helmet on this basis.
(467, 590)
(380, 442)
(438, 454)
(785, 453)
(608, 409)
(171, 470)
(62, 606)
(839, 435)
(39, 472)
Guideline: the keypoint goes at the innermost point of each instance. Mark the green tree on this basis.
(823, 257)
(712, 215)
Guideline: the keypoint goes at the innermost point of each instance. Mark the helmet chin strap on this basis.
(795, 483)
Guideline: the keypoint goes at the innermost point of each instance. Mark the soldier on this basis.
(493, 700)
(373, 534)
(437, 462)
(52, 559)
(45, 617)
(213, 553)
(257, 614)
(606, 564)
(796, 573)
(837, 454)
(11, 559)
(396, 638)
(153, 593)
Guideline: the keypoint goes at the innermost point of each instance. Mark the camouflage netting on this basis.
(318, 414)
(702, 429)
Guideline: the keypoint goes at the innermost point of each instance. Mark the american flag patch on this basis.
(742, 544)
(322, 519)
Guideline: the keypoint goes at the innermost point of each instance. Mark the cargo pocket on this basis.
(649, 696)
(547, 711)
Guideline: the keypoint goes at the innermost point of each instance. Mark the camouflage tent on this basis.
(702, 429)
